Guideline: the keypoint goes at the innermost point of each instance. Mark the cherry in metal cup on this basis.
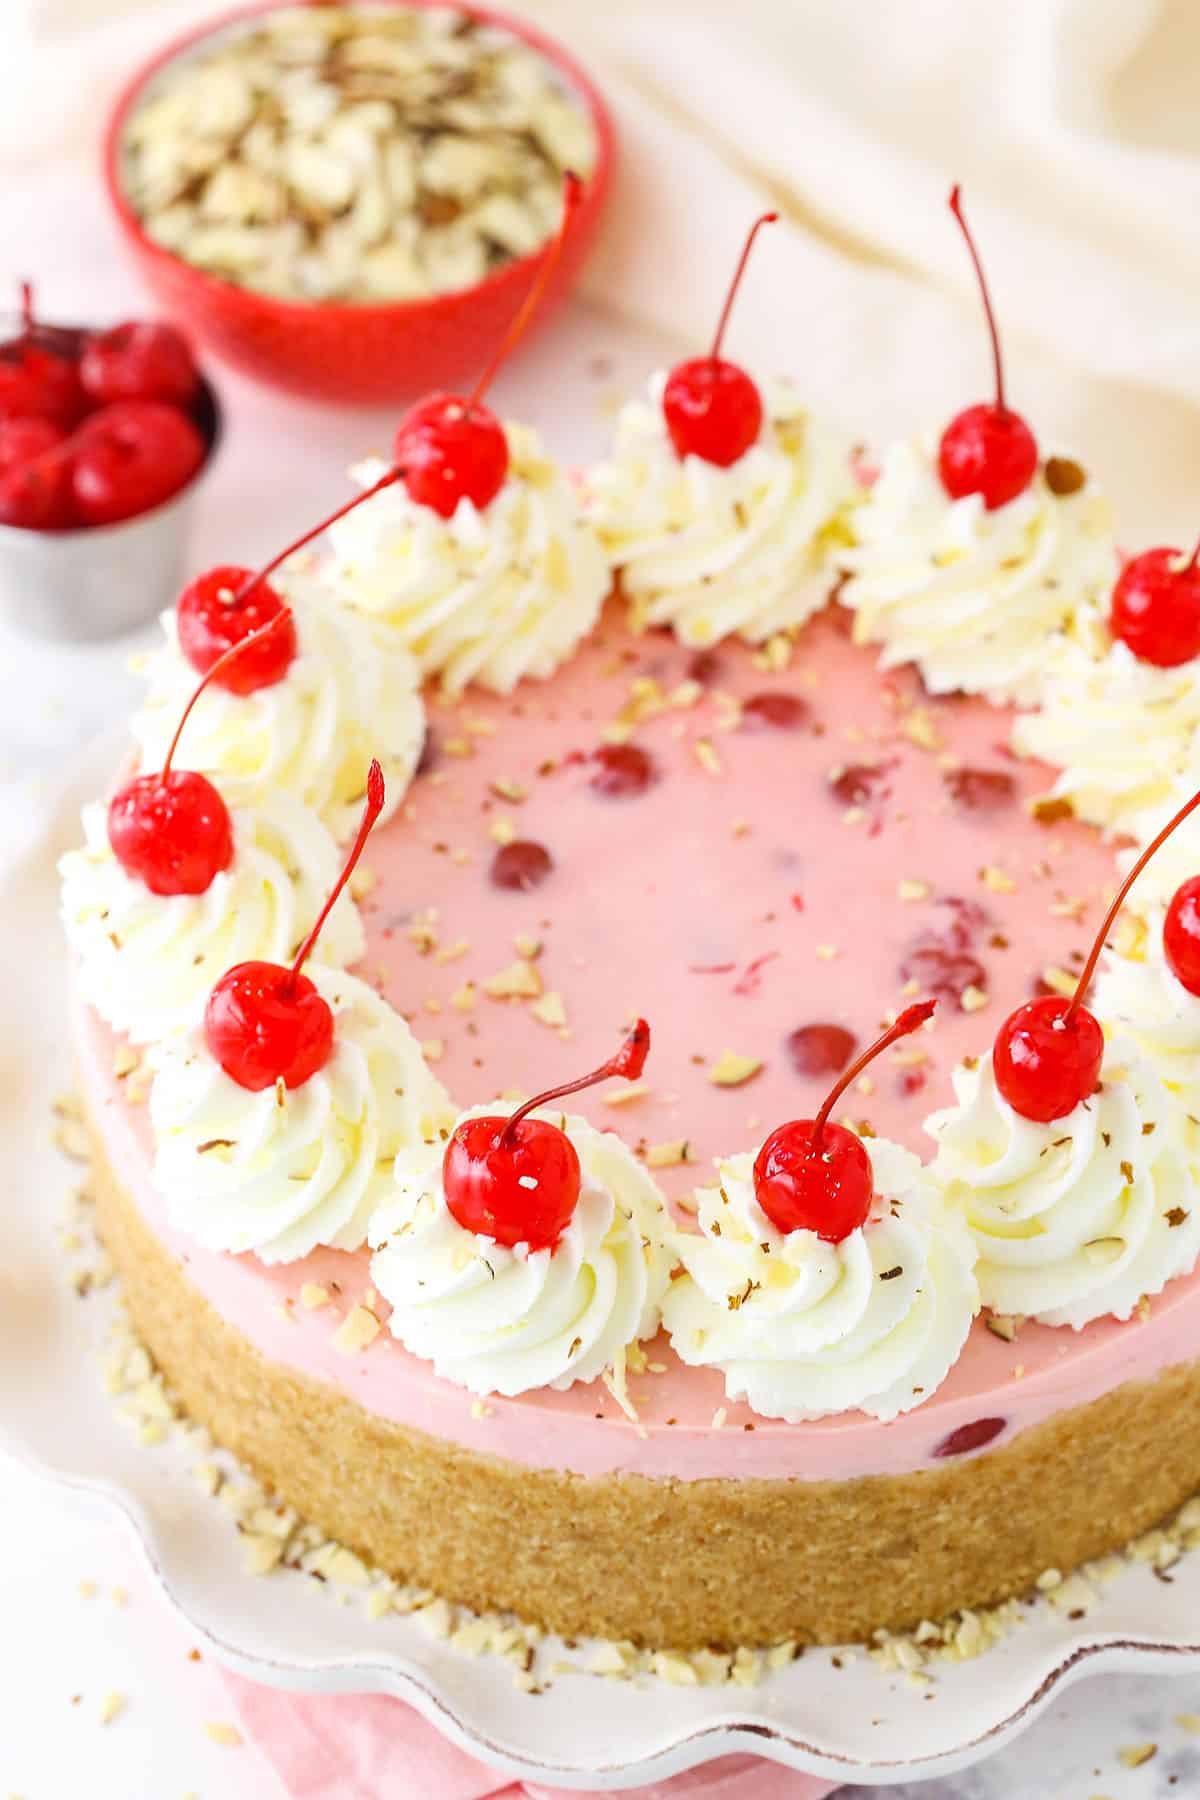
(97, 582)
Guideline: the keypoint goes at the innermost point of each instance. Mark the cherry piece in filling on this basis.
(814, 1175)
(774, 712)
(980, 790)
(265, 1023)
(1047, 1054)
(621, 770)
(453, 449)
(517, 1180)
(172, 830)
(988, 449)
(521, 865)
(821, 1049)
(858, 783)
(711, 407)
(1156, 607)
(970, 1437)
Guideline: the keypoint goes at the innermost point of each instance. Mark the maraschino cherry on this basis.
(1181, 935)
(229, 604)
(1048, 1053)
(265, 1022)
(1156, 607)
(35, 381)
(988, 449)
(712, 408)
(139, 360)
(172, 830)
(814, 1175)
(453, 449)
(35, 483)
(517, 1180)
(131, 457)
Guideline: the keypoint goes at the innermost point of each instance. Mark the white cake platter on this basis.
(848, 1723)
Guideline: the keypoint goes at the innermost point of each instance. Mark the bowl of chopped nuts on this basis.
(349, 201)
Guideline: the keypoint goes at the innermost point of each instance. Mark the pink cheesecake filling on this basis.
(849, 842)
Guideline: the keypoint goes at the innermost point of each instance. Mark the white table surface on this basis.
(62, 1653)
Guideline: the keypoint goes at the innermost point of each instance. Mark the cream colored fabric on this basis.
(1073, 125)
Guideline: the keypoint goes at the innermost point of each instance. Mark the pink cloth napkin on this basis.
(369, 1747)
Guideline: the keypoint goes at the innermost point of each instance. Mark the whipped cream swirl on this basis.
(286, 1170)
(969, 595)
(349, 695)
(1081, 1217)
(492, 596)
(146, 962)
(713, 551)
(1138, 994)
(1121, 731)
(502, 1321)
(802, 1328)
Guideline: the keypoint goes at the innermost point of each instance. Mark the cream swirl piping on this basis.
(802, 1328)
(146, 962)
(286, 1170)
(970, 595)
(713, 551)
(1138, 994)
(492, 596)
(349, 695)
(499, 1320)
(1120, 730)
(1080, 1217)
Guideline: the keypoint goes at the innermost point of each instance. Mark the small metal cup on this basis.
(85, 585)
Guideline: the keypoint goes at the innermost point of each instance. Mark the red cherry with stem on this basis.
(172, 830)
(988, 449)
(130, 457)
(1048, 1053)
(139, 360)
(517, 1180)
(35, 381)
(453, 449)
(712, 408)
(209, 619)
(1181, 935)
(1156, 607)
(812, 1175)
(265, 1022)
(228, 604)
(35, 483)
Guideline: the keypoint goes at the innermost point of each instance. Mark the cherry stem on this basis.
(767, 218)
(997, 359)
(572, 195)
(1155, 844)
(222, 662)
(248, 586)
(910, 1020)
(26, 292)
(629, 1062)
(376, 795)
(1193, 561)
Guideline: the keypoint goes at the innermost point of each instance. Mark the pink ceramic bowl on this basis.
(352, 354)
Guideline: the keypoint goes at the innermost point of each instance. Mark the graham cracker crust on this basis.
(672, 1564)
